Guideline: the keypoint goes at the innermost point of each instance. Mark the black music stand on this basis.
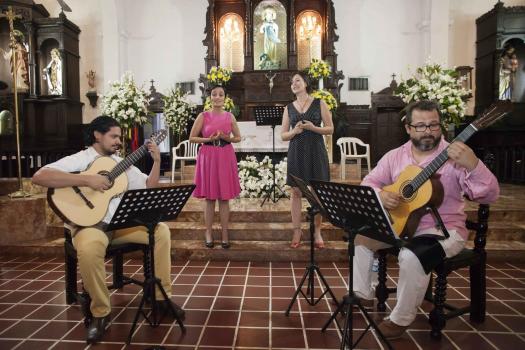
(314, 209)
(148, 207)
(357, 210)
(271, 115)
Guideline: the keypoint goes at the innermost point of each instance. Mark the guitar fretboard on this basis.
(430, 169)
(127, 162)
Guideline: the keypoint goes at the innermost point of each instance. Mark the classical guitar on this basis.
(83, 206)
(420, 188)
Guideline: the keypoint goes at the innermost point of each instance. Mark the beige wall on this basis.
(162, 39)
(87, 15)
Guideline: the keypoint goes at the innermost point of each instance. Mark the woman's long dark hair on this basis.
(102, 124)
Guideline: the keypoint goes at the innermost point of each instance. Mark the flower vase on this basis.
(321, 84)
(328, 145)
(123, 152)
(451, 132)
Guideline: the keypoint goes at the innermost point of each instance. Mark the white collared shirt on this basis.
(80, 162)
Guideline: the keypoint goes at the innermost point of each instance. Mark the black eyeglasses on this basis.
(423, 127)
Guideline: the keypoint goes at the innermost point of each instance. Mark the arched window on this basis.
(309, 29)
(269, 36)
(231, 42)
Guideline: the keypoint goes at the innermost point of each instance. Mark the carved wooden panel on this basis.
(246, 87)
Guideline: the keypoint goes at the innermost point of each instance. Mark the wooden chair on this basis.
(474, 258)
(349, 150)
(189, 153)
(115, 252)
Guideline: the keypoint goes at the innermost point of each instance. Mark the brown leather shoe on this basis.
(391, 330)
(366, 304)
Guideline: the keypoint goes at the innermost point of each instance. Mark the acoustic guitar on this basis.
(421, 188)
(83, 206)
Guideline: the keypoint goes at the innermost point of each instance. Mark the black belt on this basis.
(217, 143)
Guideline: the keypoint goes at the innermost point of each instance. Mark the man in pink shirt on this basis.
(463, 174)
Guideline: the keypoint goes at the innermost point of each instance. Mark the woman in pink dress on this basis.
(216, 174)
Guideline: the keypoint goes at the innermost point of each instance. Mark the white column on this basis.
(439, 30)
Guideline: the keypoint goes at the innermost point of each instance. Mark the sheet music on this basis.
(386, 213)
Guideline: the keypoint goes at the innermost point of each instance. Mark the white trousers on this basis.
(413, 281)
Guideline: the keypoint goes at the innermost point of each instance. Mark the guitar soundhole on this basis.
(106, 174)
(407, 191)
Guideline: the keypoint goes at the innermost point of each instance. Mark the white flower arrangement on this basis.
(438, 84)
(178, 111)
(126, 102)
(256, 177)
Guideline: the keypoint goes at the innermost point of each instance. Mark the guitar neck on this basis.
(430, 169)
(127, 162)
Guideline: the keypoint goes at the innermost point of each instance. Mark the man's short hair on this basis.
(422, 105)
(101, 124)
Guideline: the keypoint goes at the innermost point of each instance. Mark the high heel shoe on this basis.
(296, 239)
(208, 243)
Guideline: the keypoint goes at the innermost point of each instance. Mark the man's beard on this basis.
(112, 150)
(426, 143)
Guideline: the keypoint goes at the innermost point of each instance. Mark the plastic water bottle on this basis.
(374, 272)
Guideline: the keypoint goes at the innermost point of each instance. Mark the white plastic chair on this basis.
(348, 148)
(190, 153)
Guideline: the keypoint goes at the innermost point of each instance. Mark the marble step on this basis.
(274, 251)
(282, 232)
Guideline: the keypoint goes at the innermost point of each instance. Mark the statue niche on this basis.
(269, 36)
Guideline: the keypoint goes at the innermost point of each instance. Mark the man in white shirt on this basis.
(103, 138)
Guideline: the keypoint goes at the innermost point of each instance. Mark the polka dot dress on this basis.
(307, 157)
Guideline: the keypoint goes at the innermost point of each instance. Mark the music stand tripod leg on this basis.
(351, 299)
(149, 289)
(272, 190)
(310, 271)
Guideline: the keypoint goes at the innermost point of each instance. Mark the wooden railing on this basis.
(31, 162)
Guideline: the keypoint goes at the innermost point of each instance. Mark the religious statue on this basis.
(507, 73)
(22, 65)
(270, 29)
(53, 73)
(91, 79)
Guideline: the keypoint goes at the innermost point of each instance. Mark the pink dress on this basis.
(216, 174)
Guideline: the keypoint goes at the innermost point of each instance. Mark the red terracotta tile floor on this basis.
(240, 305)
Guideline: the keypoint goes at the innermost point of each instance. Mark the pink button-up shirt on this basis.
(479, 185)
